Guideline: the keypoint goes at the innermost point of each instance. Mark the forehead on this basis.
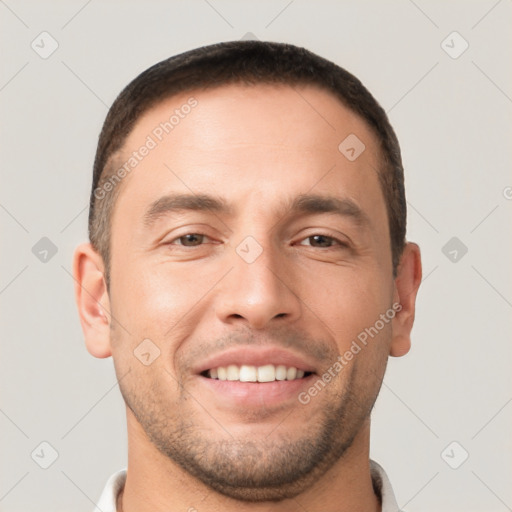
(255, 141)
(242, 114)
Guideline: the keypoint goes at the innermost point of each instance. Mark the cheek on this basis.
(160, 302)
(145, 293)
(348, 300)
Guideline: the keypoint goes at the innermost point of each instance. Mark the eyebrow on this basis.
(312, 203)
(303, 204)
(176, 203)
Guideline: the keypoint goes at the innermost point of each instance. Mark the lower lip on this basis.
(256, 394)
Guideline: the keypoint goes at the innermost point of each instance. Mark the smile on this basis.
(249, 373)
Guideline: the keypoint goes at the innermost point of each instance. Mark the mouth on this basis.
(260, 374)
(254, 377)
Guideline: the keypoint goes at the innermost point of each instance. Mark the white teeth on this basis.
(266, 373)
(280, 372)
(233, 372)
(291, 373)
(247, 373)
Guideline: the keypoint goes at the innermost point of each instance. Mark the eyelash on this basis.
(337, 243)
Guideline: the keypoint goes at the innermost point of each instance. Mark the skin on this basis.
(257, 147)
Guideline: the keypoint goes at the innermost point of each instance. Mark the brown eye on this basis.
(323, 241)
(191, 239)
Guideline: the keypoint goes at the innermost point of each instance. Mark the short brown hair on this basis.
(245, 63)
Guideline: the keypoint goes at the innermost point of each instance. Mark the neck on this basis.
(155, 483)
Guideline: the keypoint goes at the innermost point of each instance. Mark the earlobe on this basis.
(407, 282)
(92, 300)
(400, 345)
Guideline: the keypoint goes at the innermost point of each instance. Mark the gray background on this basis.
(453, 118)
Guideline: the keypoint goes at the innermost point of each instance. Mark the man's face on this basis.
(251, 285)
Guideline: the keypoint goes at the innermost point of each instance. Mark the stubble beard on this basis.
(275, 468)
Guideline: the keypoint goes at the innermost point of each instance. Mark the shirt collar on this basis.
(382, 488)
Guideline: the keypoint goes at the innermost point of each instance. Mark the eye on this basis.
(324, 241)
(189, 240)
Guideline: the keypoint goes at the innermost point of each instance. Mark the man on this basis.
(249, 274)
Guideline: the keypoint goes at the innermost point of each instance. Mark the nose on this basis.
(258, 293)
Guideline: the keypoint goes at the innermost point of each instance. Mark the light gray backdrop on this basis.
(448, 399)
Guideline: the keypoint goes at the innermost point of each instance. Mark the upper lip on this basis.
(255, 356)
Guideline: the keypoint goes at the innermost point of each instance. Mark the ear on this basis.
(92, 299)
(407, 282)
